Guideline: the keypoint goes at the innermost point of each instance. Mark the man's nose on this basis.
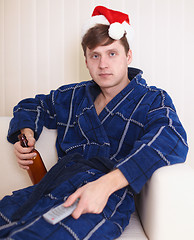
(103, 63)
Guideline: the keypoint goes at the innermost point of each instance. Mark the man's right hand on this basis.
(25, 155)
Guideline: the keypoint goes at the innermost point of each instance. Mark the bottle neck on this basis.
(23, 140)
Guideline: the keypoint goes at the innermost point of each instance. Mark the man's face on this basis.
(108, 65)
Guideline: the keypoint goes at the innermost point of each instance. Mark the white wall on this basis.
(40, 48)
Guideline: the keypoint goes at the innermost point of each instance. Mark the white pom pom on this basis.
(116, 31)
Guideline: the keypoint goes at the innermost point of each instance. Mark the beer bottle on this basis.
(37, 170)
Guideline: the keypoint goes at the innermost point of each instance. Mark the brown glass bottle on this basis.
(37, 170)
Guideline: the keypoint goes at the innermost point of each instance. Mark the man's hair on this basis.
(98, 36)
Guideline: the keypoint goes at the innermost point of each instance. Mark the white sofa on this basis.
(165, 206)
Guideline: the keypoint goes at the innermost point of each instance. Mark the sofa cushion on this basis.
(134, 230)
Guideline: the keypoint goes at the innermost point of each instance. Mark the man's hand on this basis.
(93, 198)
(94, 195)
(24, 155)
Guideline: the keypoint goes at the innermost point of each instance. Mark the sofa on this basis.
(164, 208)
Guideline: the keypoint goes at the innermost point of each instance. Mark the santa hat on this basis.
(118, 21)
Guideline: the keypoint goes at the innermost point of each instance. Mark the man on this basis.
(113, 133)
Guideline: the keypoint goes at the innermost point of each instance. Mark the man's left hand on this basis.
(94, 195)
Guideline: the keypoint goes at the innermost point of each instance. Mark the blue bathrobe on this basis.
(137, 132)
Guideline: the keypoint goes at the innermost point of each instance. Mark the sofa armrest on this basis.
(12, 177)
(166, 204)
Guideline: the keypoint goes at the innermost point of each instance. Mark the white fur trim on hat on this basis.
(129, 32)
(99, 19)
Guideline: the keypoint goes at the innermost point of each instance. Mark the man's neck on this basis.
(105, 96)
(110, 93)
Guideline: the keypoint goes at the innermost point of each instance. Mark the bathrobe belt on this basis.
(64, 169)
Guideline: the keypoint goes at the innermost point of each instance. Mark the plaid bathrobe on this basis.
(137, 132)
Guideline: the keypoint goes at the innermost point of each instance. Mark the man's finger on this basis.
(70, 200)
(78, 211)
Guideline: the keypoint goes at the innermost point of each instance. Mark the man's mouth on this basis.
(105, 74)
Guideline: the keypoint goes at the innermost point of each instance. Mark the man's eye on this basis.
(112, 54)
(95, 56)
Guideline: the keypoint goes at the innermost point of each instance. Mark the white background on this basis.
(40, 48)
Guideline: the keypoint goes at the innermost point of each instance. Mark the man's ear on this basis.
(86, 62)
(129, 56)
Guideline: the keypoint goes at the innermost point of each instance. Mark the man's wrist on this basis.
(27, 131)
(114, 181)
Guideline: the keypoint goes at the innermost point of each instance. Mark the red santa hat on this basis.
(118, 21)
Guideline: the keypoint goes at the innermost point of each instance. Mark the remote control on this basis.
(55, 215)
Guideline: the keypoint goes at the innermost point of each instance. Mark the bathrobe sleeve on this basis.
(162, 143)
(33, 113)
